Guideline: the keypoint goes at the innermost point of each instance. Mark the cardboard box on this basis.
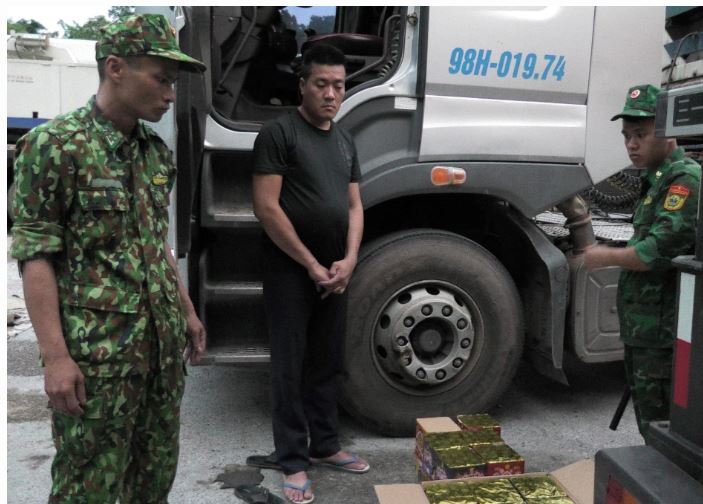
(575, 479)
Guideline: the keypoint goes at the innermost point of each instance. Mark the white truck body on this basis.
(49, 78)
(453, 281)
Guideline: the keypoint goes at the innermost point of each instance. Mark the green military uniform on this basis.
(664, 228)
(94, 202)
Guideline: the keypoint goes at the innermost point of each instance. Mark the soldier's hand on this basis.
(65, 385)
(596, 256)
(197, 339)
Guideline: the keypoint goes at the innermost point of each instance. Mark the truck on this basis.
(45, 77)
(470, 123)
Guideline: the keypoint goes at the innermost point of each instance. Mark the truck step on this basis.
(618, 228)
(226, 191)
(229, 217)
(231, 292)
(242, 354)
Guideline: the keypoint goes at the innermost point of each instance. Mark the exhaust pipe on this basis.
(578, 222)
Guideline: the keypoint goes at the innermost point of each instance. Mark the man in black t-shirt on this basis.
(306, 196)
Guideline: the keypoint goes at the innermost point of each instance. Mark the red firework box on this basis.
(466, 448)
(500, 459)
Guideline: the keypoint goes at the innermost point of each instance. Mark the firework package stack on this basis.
(572, 484)
(470, 447)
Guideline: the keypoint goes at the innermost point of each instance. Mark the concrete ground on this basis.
(225, 418)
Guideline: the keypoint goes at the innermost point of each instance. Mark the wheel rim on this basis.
(427, 337)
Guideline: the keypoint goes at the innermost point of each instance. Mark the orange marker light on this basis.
(447, 175)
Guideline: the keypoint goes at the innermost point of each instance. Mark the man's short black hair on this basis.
(132, 61)
(636, 120)
(321, 54)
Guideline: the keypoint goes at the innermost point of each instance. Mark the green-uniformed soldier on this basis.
(664, 227)
(111, 316)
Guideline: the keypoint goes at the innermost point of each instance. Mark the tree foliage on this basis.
(321, 24)
(90, 30)
(26, 26)
(318, 25)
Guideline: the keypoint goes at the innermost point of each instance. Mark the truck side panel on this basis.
(607, 85)
(507, 83)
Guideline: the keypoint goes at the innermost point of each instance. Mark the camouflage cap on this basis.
(641, 102)
(144, 34)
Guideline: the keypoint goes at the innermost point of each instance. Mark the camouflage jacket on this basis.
(95, 203)
(665, 227)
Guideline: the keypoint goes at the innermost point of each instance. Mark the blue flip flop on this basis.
(342, 465)
(301, 488)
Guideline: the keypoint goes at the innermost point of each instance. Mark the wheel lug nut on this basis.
(407, 360)
(462, 323)
(441, 374)
(427, 310)
(457, 362)
(402, 340)
(409, 322)
(447, 311)
(420, 373)
(465, 343)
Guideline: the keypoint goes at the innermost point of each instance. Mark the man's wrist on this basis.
(311, 264)
(54, 357)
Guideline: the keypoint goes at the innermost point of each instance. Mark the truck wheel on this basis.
(434, 329)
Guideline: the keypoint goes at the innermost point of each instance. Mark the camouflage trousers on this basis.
(125, 445)
(648, 372)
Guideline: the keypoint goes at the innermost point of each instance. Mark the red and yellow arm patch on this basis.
(676, 197)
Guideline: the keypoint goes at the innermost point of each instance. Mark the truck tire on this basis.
(434, 329)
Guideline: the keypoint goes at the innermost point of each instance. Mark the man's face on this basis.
(148, 87)
(645, 149)
(322, 93)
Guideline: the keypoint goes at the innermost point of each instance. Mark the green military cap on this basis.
(641, 102)
(139, 34)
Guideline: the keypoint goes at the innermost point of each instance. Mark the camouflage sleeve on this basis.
(673, 231)
(38, 207)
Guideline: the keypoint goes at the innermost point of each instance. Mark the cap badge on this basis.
(635, 93)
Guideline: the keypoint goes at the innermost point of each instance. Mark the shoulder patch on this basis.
(676, 197)
(159, 180)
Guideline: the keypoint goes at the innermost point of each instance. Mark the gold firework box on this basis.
(424, 427)
(454, 463)
(572, 484)
(500, 459)
(476, 422)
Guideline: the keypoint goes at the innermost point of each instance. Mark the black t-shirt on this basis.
(317, 167)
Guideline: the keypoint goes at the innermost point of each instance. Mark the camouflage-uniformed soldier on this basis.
(111, 316)
(664, 227)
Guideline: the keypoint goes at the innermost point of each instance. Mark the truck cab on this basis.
(469, 122)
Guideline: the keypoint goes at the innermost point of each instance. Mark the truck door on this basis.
(507, 83)
(252, 55)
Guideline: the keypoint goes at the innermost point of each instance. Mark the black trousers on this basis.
(307, 360)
